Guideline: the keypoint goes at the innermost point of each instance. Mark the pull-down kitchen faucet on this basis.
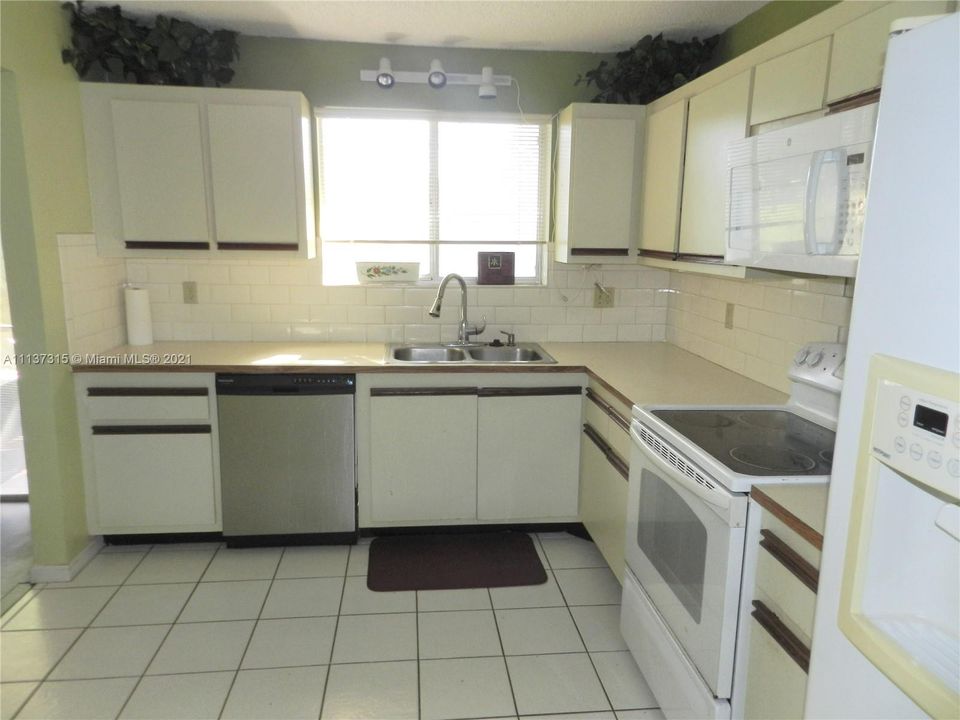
(466, 330)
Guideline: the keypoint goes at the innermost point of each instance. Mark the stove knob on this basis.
(800, 356)
(815, 359)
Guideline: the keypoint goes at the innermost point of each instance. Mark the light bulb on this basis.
(487, 89)
(385, 77)
(437, 78)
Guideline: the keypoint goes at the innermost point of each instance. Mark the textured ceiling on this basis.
(584, 25)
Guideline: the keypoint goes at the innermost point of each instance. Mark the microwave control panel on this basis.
(917, 434)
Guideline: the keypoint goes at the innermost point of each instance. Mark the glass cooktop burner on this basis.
(758, 442)
(773, 458)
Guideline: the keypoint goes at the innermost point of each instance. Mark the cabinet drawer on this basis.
(776, 683)
(603, 501)
(610, 418)
(148, 403)
(787, 584)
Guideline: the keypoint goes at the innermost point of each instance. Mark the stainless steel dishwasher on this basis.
(287, 458)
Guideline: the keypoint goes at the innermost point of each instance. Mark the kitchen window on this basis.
(432, 188)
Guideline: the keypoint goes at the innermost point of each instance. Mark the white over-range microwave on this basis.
(796, 196)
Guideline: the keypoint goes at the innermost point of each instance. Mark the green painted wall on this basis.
(328, 73)
(767, 22)
(44, 191)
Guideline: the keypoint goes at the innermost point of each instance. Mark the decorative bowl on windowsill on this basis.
(375, 273)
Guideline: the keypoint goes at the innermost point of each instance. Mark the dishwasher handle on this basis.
(286, 384)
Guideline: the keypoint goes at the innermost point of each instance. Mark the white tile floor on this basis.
(201, 631)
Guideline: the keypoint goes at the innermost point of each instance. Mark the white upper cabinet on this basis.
(599, 154)
(791, 84)
(859, 47)
(662, 179)
(254, 172)
(160, 174)
(715, 117)
(175, 169)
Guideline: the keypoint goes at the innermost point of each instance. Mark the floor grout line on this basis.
(167, 635)
(336, 629)
(253, 631)
(83, 632)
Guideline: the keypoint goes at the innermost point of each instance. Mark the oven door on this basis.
(685, 535)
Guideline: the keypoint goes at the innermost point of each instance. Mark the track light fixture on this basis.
(436, 77)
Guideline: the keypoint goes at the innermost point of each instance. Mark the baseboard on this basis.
(66, 573)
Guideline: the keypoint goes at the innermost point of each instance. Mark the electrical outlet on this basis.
(728, 317)
(602, 298)
(190, 292)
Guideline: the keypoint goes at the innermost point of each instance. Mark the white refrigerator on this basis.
(906, 306)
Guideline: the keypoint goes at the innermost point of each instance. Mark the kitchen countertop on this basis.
(801, 507)
(640, 373)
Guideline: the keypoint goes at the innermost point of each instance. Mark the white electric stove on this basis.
(690, 472)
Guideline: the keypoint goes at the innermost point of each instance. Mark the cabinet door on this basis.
(153, 480)
(603, 502)
(528, 453)
(423, 454)
(860, 47)
(662, 177)
(601, 184)
(160, 171)
(791, 84)
(253, 151)
(715, 117)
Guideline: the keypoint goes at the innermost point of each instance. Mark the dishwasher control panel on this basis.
(286, 384)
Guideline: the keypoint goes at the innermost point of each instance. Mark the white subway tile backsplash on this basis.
(773, 315)
(231, 294)
(565, 333)
(328, 313)
(599, 333)
(250, 313)
(262, 300)
(366, 314)
(249, 275)
(270, 294)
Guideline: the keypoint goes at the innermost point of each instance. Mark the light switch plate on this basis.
(190, 292)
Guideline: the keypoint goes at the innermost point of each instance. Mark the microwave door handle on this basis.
(720, 501)
(838, 158)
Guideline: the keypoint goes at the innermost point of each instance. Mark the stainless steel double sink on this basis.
(523, 353)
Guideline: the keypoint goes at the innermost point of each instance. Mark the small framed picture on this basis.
(495, 268)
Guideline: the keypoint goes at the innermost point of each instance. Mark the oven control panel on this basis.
(819, 364)
(917, 433)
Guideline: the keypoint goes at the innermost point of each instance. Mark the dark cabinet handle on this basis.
(622, 422)
(790, 559)
(618, 463)
(782, 635)
(528, 391)
(151, 429)
(147, 392)
(421, 392)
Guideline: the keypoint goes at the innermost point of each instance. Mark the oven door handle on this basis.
(720, 500)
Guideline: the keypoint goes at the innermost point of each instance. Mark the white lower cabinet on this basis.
(423, 454)
(528, 454)
(150, 452)
(451, 448)
(150, 479)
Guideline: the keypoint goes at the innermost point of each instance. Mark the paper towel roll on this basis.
(139, 324)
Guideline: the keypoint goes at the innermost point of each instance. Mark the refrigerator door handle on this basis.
(838, 158)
